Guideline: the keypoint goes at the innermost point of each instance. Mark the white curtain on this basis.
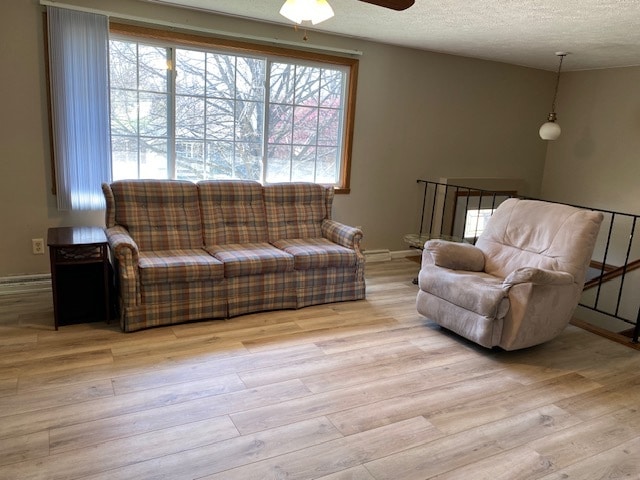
(79, 72)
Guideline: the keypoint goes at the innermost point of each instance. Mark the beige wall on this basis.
(596, 160)
(419, 115)
(596, 163)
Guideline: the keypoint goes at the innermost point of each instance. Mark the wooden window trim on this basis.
(199, 40)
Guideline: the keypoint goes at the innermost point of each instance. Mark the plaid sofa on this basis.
(216, 249)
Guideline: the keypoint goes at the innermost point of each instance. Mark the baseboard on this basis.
(25, 284)
(387, 255)
(377, 255)
(406, 253)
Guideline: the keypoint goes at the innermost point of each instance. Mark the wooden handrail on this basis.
(611, 274)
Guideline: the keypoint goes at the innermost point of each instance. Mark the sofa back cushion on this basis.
(232, 212)
(296, 210)
(531, 233)
(159, 214)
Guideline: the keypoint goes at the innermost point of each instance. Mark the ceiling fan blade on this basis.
(392, 4)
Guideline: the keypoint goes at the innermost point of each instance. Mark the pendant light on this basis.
(314, 11)
(551, 130)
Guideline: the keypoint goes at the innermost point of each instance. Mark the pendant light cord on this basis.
(555, 94)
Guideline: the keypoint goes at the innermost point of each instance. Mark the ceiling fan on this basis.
(316, 11)
(392, 4)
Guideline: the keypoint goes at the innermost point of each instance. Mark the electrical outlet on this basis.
(37, 246)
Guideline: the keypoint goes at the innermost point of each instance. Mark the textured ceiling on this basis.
(596, 33)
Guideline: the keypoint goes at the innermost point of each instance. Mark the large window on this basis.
(186, 111)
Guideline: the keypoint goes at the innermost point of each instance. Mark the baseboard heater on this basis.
(25, 284)
(377, 255)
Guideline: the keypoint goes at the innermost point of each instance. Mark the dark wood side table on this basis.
(79, 274)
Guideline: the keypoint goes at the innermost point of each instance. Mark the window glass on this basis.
(297, 121)
(194, 113)
(476, 221)
(139, 84)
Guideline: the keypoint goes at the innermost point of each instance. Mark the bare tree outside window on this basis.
(194, 114)
(139, 110)
(304, 123)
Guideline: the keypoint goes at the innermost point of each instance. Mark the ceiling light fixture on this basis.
(551, 130)
(314, 11)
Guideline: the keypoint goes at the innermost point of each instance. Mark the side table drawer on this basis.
(79, 253)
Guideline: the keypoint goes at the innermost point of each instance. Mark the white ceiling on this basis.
(596, 33)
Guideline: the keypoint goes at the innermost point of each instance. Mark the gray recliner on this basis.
(521, 282)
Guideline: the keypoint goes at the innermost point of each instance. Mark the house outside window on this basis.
(194, 113)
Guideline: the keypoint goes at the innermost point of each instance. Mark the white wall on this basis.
(418, 115)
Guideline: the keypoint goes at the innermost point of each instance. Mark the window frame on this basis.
(183, 39)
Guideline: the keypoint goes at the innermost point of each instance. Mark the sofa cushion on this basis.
(159, 214)
(296, 210)
(251, 259)
(317, 253)
(232, 212)
(169, 266)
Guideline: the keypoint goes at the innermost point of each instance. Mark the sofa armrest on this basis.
(126, 252)
(538, 276)
(341, 234)
(122, 244)
(453, 255)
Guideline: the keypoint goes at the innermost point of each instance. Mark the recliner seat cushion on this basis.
(478, 292)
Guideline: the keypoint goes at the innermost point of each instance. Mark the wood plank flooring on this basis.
(365, 390)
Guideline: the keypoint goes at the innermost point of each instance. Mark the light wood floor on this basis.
(357, 390)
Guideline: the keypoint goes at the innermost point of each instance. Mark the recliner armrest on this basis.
(454, 255)
(538, 276)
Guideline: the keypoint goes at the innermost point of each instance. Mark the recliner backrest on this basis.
(533, 233)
